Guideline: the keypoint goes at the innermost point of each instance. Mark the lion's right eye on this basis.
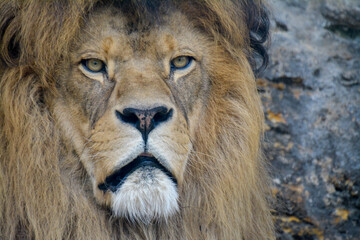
(181, 62)
(93, 65)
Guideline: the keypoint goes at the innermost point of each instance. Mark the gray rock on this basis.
(342, 12)
(311, 97)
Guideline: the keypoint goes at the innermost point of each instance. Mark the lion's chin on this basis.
(147, 195)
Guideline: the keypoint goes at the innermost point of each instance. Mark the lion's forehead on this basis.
(110, 36)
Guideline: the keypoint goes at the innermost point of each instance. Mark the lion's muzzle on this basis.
(115, 180)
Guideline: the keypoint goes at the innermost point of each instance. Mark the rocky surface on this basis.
(311, 97)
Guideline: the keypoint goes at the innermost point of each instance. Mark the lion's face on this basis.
(130, 101)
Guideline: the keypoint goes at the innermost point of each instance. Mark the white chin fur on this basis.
(147, 194)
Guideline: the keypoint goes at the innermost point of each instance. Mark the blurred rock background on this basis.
(311, 97)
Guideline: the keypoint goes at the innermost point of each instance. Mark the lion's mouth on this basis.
(115, 180)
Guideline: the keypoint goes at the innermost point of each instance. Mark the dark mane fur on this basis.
(259, 24)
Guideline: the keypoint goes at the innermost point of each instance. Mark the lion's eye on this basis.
(181, 62)
(93, 65)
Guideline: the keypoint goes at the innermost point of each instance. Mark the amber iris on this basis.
(180, 62)
(94, 65)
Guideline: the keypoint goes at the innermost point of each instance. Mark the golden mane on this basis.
(44, 191)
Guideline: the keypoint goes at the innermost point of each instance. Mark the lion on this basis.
(132, 120)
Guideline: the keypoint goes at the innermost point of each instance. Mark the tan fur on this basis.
(53, 154)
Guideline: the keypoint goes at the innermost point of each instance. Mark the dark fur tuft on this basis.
(259, 24)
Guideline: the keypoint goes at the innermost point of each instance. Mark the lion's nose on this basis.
(145, 120)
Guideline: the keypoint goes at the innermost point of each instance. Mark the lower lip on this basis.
(115, 180)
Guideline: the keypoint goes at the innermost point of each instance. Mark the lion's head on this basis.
(132, 119)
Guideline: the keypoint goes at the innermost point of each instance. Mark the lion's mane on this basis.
(44, 191)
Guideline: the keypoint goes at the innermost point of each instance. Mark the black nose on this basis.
(145, 120)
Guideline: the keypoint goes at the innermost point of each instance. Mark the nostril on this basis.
(128, 116)
(162, 115)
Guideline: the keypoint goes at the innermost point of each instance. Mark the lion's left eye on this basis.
(181, 62)
(93, 65)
